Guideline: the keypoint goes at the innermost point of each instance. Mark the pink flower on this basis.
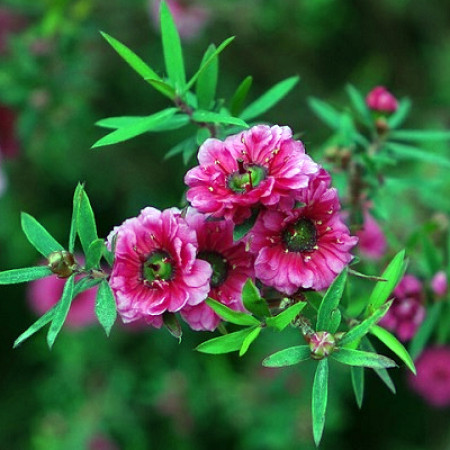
(155, 268)
(407, 311)
(189, 18)
(304, 246)
(372, 242)
(439, 284)
(43, 294)
(381, 100)
(258, 166)
(9, 144)
(231, 266)
(433, 376)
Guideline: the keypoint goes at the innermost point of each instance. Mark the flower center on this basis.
(247, 177)
(300, 236)
(219, 267)
(158, 267)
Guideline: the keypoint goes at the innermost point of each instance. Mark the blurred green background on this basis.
(141, 389)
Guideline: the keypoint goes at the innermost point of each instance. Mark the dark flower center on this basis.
(158, 267)
(247, 177)
(300, 236)
(219, 267)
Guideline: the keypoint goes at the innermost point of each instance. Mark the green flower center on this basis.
(158, 267)
(300, 236)
(247, 177)
(219, 267)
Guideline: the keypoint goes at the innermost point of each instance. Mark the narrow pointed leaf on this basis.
(330, 303)
(225, 344)
(23, 275)
(87, 228)
(360, 330)
(61, 311)
(239, 97)
(396, 119)
(360, 105)
(427, 327)
(40, 323)
(172, 123)
(253, 301)
(357, 374)
(84, 284)
(38, 236)
(402, 151)
(172, 325)
(363, 359)
(242, 229)
(393, 344)
(163, 87)
(135, 62)
(288, 356)
(105, 307)
(382, 290)
(95, 253)
(319, 400)
(187, 144)
(420, 135)
(173, 55)
(325, 112)
(270, 98)
(149, 123)
(75, 215)
(207, 80)
(282, 320)
(213, 117)
(249, 339)
(210, 58)
(236, 317)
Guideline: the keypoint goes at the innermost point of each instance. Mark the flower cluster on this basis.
(171, 261)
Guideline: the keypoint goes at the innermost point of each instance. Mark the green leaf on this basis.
(210, 59)
(357, 374)
(207, 80)
(382, 290)
(242, 229)
(23, 275)
(163, 87)
(403, 151)
(105, 307)
(383, 374)
(61, 312)
(84, 284)
(172, 123)
(87, 228)
(94, 254)
(149, 123)
(427, 327)
(420, 135)
(225, 344)
(236, 317)
(330, 303)
(396, 119)
(75, 215)
(253, 301)
(173, 55)
(325, 112)
(41, 322)
(38, 236)
(432, 256)
(249, 339)
(391, 342)
(319, 400)
(238, 99)
(359, 103)
(213, 117)
(288, 356)
(282, 320)
(172, 325)
(188, 145)
(360, 330)
(363, 359)
(131, 58)
(270, 98)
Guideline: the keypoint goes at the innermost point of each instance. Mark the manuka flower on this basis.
(44, 293)
(155, 268)
(439, 284)
(433, 376)
(231, 266)
(407, 311)
(305, 246)
(258, 166)
(379, 99)
(372, 242)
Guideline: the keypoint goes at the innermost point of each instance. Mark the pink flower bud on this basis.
(439, 284)
(321, 344)
(381, 100)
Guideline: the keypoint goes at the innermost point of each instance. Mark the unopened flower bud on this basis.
(439, 284)
(62, 263)
(322, 344)
(379, 99)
